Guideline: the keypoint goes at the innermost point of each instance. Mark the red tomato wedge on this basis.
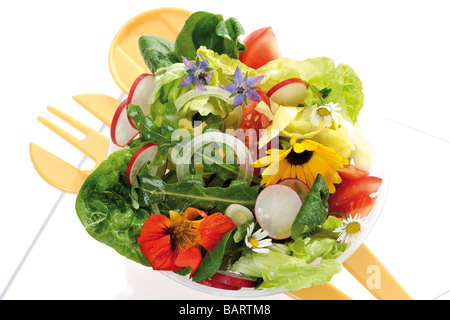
(252, 119)
(252, 124)
(262, 47)
(350, 172)
(354, 196)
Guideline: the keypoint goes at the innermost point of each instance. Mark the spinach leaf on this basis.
(212, 31)
(190, 192)
(104, 207)
(213, 260)
(157, 52)
(314, 210)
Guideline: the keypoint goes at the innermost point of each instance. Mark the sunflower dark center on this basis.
(298, 159)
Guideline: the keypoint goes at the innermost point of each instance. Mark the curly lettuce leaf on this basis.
(279, 270)
(320, 72)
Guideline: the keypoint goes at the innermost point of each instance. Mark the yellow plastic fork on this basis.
(59, 173)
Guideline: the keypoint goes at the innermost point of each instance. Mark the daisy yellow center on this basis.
(323, 112)
(353, 228)
(253, 242)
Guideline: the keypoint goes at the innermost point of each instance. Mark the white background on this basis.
(52, 50)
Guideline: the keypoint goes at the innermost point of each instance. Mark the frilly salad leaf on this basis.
(104, 207)
(279, 270)
(320, 72)
(288, 265)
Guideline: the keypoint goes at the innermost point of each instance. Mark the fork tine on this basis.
(101, 106)
(95, 145)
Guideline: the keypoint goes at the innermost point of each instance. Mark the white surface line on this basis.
(44, 225)
(415, 129)
(27, 253)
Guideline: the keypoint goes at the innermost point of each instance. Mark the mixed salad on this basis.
(237, 167)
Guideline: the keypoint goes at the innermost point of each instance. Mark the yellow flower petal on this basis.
(293, 139)
(299, 147)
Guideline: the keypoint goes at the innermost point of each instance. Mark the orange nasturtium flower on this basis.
(174, 243)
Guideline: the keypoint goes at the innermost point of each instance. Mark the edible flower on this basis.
(200, 73)
(172, 243)
(326, 113)
(304, 160)
(243, 87)
(256, 241)
(351, 228)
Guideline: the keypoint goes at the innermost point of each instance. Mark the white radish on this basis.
(290, 92)
(140, 92)
(122, 130)
(238, 213)
(298, 185)
(144, 155)
(276, 208)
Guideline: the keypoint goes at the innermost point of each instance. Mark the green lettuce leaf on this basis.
(104, 207)
(281, 270)
(321, 74)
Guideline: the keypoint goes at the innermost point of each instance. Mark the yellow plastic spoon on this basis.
(125, 61)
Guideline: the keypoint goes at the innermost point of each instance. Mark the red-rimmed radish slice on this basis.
(276, 208)
(122, 132)
(145, 154)
(234, 279)
(290, 92)
(216, 284)
(140, 92)
(298, 185)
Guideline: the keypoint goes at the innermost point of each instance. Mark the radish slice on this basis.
(145, 154)
(298, 185)
(290, 92)
(238, 213)
(122, 132)
(234, 279)
(276, 208)
(216, 284)
(140, 93)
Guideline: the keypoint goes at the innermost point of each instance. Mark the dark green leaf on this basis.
(314, 210)
(212, 261)
(190, 192)
(157, 52)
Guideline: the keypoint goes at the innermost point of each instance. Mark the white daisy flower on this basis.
(327, 113)
(256, 241)
(351, 228)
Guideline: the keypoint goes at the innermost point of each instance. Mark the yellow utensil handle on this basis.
(324, 292)
(372, 274)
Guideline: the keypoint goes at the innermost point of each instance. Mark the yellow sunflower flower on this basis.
(304, 160)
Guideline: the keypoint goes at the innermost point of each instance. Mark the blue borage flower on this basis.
(243, 87)
(199, 72)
